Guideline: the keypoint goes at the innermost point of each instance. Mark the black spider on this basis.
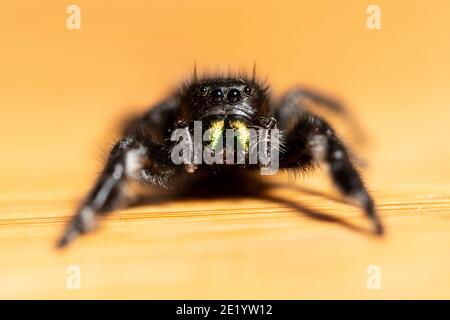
(144, 154)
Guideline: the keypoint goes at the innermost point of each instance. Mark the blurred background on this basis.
(63, 93)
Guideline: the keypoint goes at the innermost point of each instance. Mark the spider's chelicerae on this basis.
(144, 154)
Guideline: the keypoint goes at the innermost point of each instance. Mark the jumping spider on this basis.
(143, 154)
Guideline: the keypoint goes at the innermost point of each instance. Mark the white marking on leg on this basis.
(107, 186)
(87, 218)
(318, 146)
(338, 154)
(361, 197)
(118, 172)
(134, 162)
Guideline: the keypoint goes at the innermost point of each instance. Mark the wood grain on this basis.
(63, 92)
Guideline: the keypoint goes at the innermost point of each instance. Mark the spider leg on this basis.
(142, 156)
(312, 140)
(130, 160)
(292, 103)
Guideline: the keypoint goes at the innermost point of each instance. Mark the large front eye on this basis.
(216, 95)
(233, 96)
(202, 91)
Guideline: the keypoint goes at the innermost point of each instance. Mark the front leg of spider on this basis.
(313, 140)
(268, 123)
(131, 159)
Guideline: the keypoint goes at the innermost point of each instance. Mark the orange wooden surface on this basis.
(63, 92)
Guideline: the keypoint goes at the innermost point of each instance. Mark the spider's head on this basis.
(225, 98)
(224, 104)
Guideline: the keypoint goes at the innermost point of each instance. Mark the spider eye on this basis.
(234, 95)
(248, 90)
(216, 95)
(202, 91)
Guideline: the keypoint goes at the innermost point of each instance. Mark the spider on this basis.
(220, 103)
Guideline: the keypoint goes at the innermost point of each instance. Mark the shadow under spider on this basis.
(223, 187)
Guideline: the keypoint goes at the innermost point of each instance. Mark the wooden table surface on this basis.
(63, 93)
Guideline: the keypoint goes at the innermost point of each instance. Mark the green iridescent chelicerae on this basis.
(217, 128)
